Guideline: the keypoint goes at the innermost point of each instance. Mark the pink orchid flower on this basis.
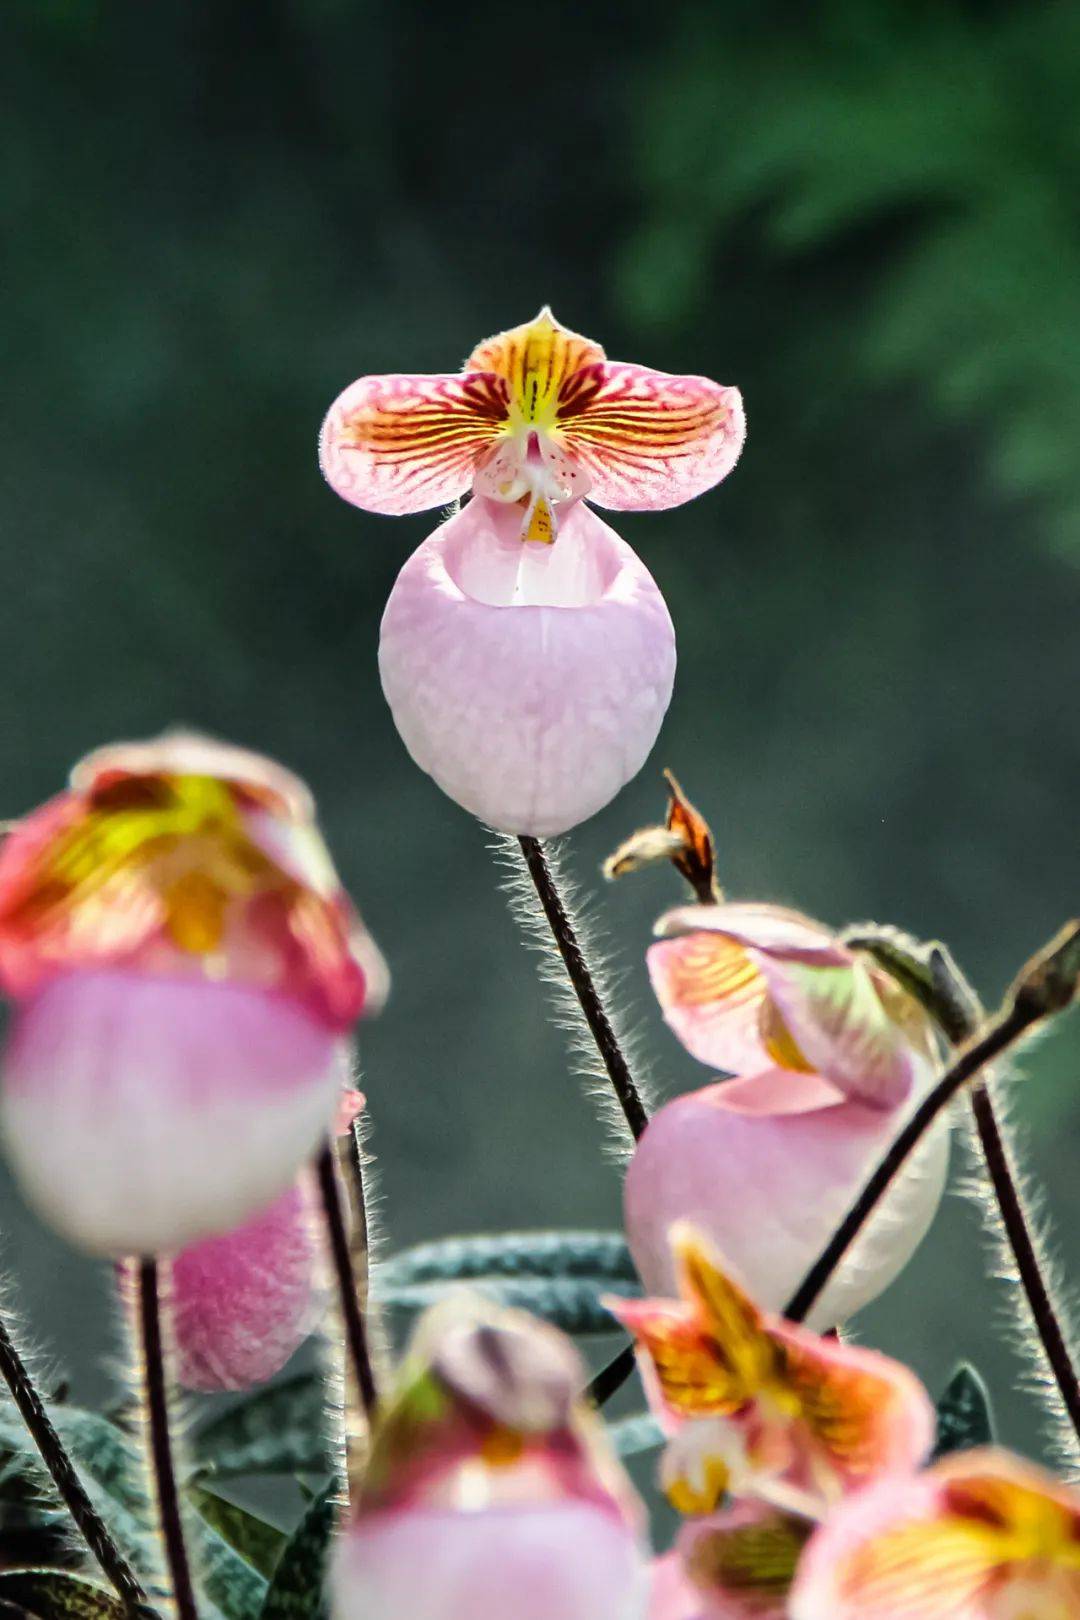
(763, 1408)
(244, 1302)
(489, 1489)
(527, 655)
(830, 1055)
(186, 970)
(734, 1565)
(981, 1535)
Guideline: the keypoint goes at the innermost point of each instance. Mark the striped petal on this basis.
(980, 1536)
(542, 364)
(742, 1562)
(398, 443)
(648, 439)
(711, 994)
(866, 1414)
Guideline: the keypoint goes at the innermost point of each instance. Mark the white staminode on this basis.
(141, 1114)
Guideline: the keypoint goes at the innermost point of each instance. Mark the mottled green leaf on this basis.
(589, 1255)
(236, 1589)
(54, 1594)
(255, 1540)
(964, 1416)
(279, 1430)
(570, 1303)
(297, 1589)
(631, 1435)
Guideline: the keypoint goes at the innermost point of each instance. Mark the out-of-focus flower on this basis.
(979, 1536)
(489, 1489)
(185, 970)
(526, 653)
(762, 1407)
(243, 1302)
(734, 1565)
(830, 1055)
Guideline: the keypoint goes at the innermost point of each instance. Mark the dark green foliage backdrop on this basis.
(217, 213)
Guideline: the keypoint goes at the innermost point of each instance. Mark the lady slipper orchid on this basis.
(761, 1407)
(734, 1565)
(526, 653)
(186, 971)
(830, 1055)
(981, 1535)
(243, 1302)
(488, 1489)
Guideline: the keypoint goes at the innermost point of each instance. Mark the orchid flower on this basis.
(735, 1565)
(185, 970)
(534, 718)
(981, 1535)
(830, 1055)
(243, 1302)
(489, 1489)
(761, 1407)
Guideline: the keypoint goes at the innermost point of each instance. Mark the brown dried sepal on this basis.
(685, 840)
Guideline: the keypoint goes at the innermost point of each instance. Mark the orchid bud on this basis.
(527, 655)
(186, 971)
(489, 1489)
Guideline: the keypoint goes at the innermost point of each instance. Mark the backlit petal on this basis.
(398, 444)
(540, 362)
(711, 994)
(742, 1562)
(867, 1413)
(691, 1378)
(649, 439)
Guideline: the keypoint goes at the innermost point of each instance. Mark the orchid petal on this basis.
(867, 1412)
(711, 994)
(647, 439)
(399, 443)
(780, 1091)
(741, 1562)
(981, 1535)
(770, 1190)
(541, 363)
(529, 681)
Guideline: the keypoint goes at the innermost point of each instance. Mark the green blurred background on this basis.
(864, 214)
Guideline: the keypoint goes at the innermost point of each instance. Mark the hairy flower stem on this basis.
(148, 1306)
(1046, 984)
(348, 1284)
(114, 1566)
(934, 978)
(584, 986)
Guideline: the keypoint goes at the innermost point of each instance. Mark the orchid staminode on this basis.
(186, 970)
(489, 1489)
(761, 1407)
(829, 1054)
(981, 1535)
(527, 655)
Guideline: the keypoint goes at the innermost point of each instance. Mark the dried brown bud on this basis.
(685, 841)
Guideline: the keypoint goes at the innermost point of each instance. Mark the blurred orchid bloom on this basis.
(735, 1565)
(761, 1407)
(979, 1536)
(830, 1055)
(527, 654)
(186, 970)
(538, 417)
(489, 1489)
(242, 1303)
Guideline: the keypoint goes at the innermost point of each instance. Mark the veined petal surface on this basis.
(399, 443)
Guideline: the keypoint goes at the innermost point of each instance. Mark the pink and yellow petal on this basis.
(867, 1414)
(397, 444)
(649, 440)
(711, 994)
(742, 1562)
(541, 363)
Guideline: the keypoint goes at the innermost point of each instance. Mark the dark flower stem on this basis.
(948, 996)
(584, 986)
(1047, 984)
(148, 1305)
(348, 1285)
(91, 1526)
